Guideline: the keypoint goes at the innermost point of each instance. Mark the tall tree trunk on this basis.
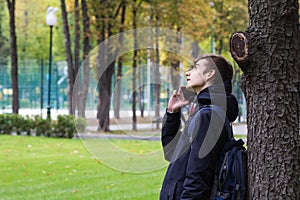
(219, 37)
(69, 56)
(134, 65)
(120, 64)
(175, 63)
(77, 37)
(268, 54)
(25, 33)
(86, 65)
(14, 56)
(103, 109)
(104, 99)
(156, 75)
(117, 99)
(140, 89)
(105, 81)
(104, 85)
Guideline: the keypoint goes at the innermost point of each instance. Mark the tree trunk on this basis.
(156, 75)
(120, 64)
(14, 56)
(268, 54)
(76, 38)
(105, 81)
(69, 56)
(134, 65)
(117, 98)
(140, 89)
(175, 63)
(85, 65)
(103, 109)
(104, 86)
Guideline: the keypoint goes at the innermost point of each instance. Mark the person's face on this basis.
(197, 78)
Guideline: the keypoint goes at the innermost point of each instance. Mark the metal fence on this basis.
(33, 80)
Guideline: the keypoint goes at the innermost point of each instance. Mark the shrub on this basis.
(6, 125)
(42, 126)
(16, 121)
(27, 125)
(64, 126)
(21, 124)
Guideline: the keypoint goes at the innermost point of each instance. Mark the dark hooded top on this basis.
(190, 176)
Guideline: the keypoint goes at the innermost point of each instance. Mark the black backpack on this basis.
(231, 172)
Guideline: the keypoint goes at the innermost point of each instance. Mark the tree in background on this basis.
(77, 36)
(268, 53)
(86, 64)
(225, 17)
(135, 7)
(120, 63)
(191, 18)
(14, 56)
(105, 23)
(71, 72)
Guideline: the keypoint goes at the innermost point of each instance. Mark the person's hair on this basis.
(223, 66)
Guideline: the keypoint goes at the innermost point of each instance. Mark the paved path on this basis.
(152, 134)
(238, 128)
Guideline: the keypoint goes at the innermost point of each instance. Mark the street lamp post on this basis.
(51, 21)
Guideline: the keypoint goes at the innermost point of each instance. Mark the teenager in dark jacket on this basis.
(193, 153)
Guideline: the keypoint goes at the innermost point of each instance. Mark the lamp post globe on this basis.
(51, 21)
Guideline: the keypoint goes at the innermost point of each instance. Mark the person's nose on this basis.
(187, 73)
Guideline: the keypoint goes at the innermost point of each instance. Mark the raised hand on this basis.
(177, 101)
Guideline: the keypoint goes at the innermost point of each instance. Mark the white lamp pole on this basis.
(51, 21)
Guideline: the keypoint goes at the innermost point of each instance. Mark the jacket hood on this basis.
(220, 95)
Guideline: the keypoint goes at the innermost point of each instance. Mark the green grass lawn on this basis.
(49, 168)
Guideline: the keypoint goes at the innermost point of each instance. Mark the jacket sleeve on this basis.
(200, 171)
(171, 124)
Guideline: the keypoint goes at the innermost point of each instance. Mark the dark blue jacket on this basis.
(190, 174)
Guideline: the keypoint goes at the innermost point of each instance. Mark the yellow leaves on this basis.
(136, 151)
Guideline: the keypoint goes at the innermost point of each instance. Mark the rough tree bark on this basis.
(69, 56)
(268, 54)
(13, 56)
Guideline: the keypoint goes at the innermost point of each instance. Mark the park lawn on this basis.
(51, 168)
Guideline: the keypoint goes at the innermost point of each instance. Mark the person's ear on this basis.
(210, 75)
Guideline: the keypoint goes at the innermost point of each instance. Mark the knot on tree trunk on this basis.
(239, 49)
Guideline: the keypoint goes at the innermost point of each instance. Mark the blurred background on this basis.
(38, 71)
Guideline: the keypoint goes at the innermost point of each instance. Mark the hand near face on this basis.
(177, 101)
